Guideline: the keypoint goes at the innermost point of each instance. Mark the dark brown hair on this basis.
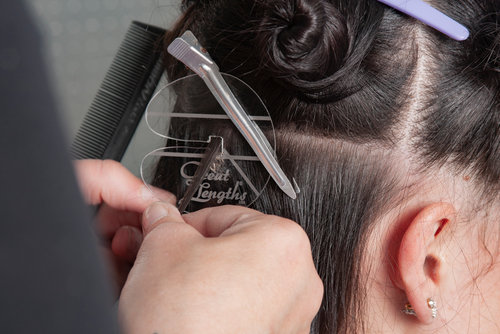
(348, 83)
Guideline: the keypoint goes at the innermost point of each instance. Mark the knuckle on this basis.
(297, 235)
(313, 297)
(244, 214)
(318, 299)
(248, 216)
(292, 236)
(319, 288)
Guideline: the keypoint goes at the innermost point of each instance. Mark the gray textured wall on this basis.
(81, 39)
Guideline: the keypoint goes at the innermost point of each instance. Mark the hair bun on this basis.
(302, 41)
(486, 43)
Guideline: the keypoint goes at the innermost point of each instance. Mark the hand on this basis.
(123, 199)
(220, 270)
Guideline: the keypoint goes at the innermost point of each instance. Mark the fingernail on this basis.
(155, 212)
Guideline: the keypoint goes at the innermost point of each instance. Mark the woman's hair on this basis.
(361, 96)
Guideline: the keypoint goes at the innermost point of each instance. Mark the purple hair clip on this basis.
(430, 16)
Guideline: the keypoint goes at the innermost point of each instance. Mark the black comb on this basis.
(128, 86)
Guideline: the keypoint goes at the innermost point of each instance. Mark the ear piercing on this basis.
(408, 309)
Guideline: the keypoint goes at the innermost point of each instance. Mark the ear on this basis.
(419, 264)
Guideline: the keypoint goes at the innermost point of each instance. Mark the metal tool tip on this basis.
(288, 189)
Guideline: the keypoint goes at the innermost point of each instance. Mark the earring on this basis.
(408, 310)
(433, 306)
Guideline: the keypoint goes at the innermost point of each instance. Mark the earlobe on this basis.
(420, 267)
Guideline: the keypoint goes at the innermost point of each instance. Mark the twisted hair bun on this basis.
(302, 41)
(486, 43)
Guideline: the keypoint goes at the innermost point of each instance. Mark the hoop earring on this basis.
(408, 309)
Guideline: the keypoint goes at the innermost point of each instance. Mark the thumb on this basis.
(159, 213)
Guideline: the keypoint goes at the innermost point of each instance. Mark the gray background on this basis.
(81, 38)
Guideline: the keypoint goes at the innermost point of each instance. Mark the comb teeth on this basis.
(123, 96)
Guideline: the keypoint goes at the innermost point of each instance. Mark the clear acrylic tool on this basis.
(188, 50)
(205, 161)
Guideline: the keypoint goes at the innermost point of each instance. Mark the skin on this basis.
(219, 270)
(441, 243)
(197, 273)
(122, 199)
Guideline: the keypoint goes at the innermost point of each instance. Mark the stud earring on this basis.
(433, 306)
(408, 309)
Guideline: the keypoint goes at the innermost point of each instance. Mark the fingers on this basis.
(167, 237)
(160, 213)
(107, 181)
(109, 220)
(126, 243)
(272, 274)
(212, 222)
(278, 236)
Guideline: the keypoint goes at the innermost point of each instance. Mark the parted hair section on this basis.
(308, 60)
(353, 86)
(362, 72)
